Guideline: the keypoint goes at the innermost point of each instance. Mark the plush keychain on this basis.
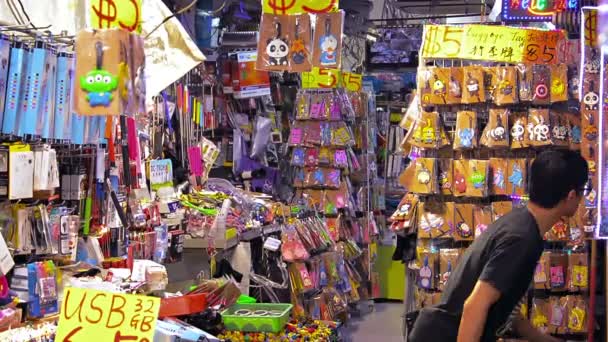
(277, 48)
(99, 83)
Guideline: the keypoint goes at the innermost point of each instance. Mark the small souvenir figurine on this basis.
(99, 83)
(328, 45)
(277, 48)
(455, 89)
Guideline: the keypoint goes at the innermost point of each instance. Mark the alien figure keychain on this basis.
(99, 83)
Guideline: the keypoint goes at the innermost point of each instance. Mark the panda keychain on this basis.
(277, 48)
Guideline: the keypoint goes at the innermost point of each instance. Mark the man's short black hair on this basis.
(554, 174)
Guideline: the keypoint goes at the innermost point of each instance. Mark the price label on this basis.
(321, 78)
(125, 14)
(352, 81)
(104, 316)
(491, 43)
(283, 7)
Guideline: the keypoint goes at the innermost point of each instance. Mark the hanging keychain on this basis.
(328, 45)
(99, 83)
(277, 48)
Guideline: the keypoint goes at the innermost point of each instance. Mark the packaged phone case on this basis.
(495, 134)
(558, 315)
(332, 178)
(274, 43)
(428, 270)
(539, 127)
(298, 156)
(296, 133)
(463, 222)
(541, 84)
(434, 219)
(541, 272)
(559, 82)
(311, 157)
(311, 132)
(465, 136)
(540, 314)
(524, 73)
(474, 91)
(461, 173)
(499, 209)
(478, 178)
(340, 159)
(455, 86)
(446, 175)
(577, 314)
(439, 85)
(498, 176)
(482, 217)
(519, 135)
(578, 275)
(303, 105)
(517, 176)
(559, 131)
(300, 49)
(341, 135)
(325, 156)
(506, 86)
(327, 42)
(448, 259)
(558, 268)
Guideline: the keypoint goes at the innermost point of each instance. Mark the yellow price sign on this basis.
(104, 316)
(492, 43)
(321, 78)
(125, 14)
(352, 81)
(283, 7)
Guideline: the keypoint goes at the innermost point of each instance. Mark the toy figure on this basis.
(329, 46)
(277, 48)
(99, 83)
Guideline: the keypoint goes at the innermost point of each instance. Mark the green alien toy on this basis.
(99, 83)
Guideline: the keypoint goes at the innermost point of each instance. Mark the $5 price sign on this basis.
(282, 7)
(331, 78)
(123, 14)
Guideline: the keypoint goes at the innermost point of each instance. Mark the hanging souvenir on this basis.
(539, 129)
(557, 270)
(573, 82)
(425, 132)
(593, 63)
(578, 271)
(559, 131)
(303, 105)
(448, 259)
(439, 81)
(540, 314)
(296, 134)
(466, 130)
(577, 314)
(325, 156)
(541, 273)
(574, 131)
(426, 274)
(327, 52)
(516, 180)
(298, 156)
(559, 83)
(406, 209)
(474, 91)
(519, 136)
(558, 314)
(463, 222)
(274, 43)
(424, 85)
(591, 98)
(526, 91)
(425, 173)
(311, 157)
(460, 177)
(477, 180)
(506, 86)
(482, 217)
(300, 46)
(541, 84)
(455, 86)
(498, 178)
(446, 175)
(496, 134)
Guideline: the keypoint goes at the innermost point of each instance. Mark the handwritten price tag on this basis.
(352, 81)
(103, 316)
(299, 6)
(321, 78)
(491, 43)
(123, 14)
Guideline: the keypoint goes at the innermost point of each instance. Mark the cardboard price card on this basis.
(125, 14)
(352, 81)
(281, 7)
(103, 316)
(321, 78)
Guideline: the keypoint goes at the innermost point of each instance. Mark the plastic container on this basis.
(183, 305)
(255, 318)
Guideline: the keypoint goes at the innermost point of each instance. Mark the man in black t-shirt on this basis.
(497, 269)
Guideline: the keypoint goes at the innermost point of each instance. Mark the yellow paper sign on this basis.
(125, 14)
(321, 78)
(491, 43)
(90, 315)
(352, 81)
(299, 6)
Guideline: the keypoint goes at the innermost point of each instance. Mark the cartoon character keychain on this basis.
(277, 48)
(560, 131)
(455, 89)
(499, 179)
(473, 86)
(591, 99)
(99, 83)
(516, 178)
(329, 45)
(498, 133)
(298, 49)
(424, 175)
(592, 66)
(445, 276)
(426, 274)
(591, 130)
(477, 178)
(459, 182)
(462, 227)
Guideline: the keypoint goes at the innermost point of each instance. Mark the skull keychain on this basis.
(99, 83)
(277, 48)
(517, 131)
(329, 46)
(560, 131)
(591, 98)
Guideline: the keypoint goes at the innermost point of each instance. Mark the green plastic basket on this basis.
(234, 317)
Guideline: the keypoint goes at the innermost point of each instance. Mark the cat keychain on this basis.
(328, 44)
(277, 48)
(99, 83)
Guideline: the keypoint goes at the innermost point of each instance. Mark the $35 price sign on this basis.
(331, 78)
(125, 14)
(282, 7)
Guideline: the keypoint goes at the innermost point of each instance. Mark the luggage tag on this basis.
(35, 77)
(99, 84)
(15, 87)
(44, 127)
(525, 83)
(298, 156)
(519, 139)
(5, 52)
(300, 46)
(591, 99)
(426, 274)
(541, 83)
(277, 48)
(559, 133)
(577, 315)
(63, 95)
(516, 177)
(328, 45)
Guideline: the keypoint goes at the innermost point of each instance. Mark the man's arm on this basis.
(475, 311)
(525, 329)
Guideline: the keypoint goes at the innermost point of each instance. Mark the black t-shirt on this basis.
(504, 256)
